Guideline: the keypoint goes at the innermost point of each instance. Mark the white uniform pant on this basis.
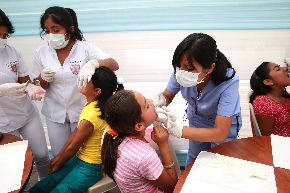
(33, 132)
(58, 134)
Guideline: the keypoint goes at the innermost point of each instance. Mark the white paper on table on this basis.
(12, 157)
(222, 174)
(280, 151)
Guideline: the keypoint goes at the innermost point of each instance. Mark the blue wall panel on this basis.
(133, 15)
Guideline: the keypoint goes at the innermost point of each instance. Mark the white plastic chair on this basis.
(104, 185)
(254, 124)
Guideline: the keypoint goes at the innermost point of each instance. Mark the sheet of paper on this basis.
(280, 151)
(222, 174)
(12, 156)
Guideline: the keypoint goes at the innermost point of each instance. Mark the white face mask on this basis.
(57, 41)
(3, 43)
(187, 79)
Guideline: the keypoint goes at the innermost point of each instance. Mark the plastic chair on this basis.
(104, 185)
(254, 124)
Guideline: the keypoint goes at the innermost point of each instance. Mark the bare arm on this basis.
(216, 134)
(265, 124)
(23, 79)
(169, 96)
(110, 63)
(72, 145)
(168, 178)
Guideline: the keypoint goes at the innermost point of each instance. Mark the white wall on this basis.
(146, 56)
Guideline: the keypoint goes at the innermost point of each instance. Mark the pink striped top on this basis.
(137, 163)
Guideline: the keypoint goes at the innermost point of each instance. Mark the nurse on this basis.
(18, 115)
(209, 84)
(57, 65)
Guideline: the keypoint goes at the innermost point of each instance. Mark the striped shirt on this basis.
(137, 164)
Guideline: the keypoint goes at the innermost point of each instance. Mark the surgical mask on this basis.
(57, 41)
(187, 79)
(3, 43)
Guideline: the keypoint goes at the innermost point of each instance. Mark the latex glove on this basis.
(12, 89)
(174, 129)
(47, 74)
(35, 92)
(87, 72)
(165, 115)
(159, 99)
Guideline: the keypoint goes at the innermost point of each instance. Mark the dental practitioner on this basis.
(18, 115)
(57, 65)
(209, 84)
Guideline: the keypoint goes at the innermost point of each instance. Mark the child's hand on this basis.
(53, 166)
(159, 135)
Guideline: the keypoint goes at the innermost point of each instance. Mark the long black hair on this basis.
(65, 17)
(256, 82)
(4, 21)
(122, 113)
(203, 49)
(105, 79)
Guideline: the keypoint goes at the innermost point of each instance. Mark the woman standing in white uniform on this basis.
(57, 65)
(18, 115)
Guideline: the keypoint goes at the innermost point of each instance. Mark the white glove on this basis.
(47, 74)
(159, 99)
(165, 115)
(174, 129)
(87, 72)
(35, 92)
(12, 89)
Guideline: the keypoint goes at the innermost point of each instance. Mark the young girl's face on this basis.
(279, 74)
(88, 90)
(148, 113)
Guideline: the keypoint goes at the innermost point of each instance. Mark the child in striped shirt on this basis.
(127, 157)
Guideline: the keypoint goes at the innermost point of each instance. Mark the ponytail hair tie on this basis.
(111, 132)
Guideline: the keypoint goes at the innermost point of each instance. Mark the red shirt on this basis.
(264, 105)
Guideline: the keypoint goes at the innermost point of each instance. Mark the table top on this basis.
(7, 138)
(256, 149)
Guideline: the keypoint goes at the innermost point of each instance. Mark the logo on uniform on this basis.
(13, 66)
(75, 67)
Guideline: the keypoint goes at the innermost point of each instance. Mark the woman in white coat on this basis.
(18, 115)
(57, 65)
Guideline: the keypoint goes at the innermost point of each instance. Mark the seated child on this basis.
(270, 99)
(78, 165)
(126, 155)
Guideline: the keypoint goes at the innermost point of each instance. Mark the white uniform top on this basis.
(62, 98)
(14, 112)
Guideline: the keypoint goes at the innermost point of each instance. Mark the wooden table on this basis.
(256, 149)
(7, 138)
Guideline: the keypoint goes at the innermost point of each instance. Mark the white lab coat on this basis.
(14, 112)
(62, 97)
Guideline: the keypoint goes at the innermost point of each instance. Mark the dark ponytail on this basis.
(256, 81)
(219, 73)
(77, 33)
(122, 113)
(105, 79)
